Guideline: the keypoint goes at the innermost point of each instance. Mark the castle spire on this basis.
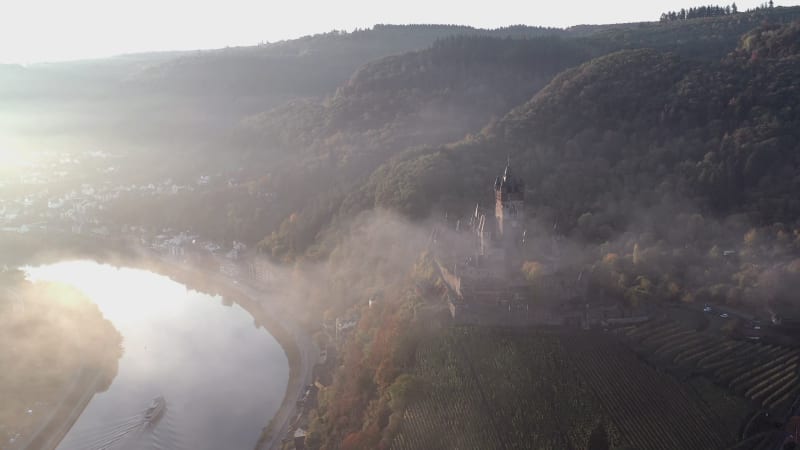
(509, 203)
(507, 172)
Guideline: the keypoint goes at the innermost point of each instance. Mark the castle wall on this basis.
(452, 281)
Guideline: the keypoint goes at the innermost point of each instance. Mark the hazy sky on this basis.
(43, 30)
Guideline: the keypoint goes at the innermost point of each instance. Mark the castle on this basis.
(481, 265)
(509, 209)
(499, 241)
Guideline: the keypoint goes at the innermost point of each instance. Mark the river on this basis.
(222, 378)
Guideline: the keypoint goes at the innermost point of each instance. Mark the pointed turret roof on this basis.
(508, 181)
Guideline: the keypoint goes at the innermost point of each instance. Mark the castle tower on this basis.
(509, 211)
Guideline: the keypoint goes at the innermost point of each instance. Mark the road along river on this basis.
(221, 377)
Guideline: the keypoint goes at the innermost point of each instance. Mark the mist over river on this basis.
(222, 378)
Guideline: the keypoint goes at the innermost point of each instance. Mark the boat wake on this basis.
(152, 428)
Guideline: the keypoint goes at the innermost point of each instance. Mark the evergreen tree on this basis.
(703, 11)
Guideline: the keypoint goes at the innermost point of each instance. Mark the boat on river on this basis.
(155, 410)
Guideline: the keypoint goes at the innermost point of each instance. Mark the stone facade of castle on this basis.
(481, 264)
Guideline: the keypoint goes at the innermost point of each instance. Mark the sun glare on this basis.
(121, 293)
(11, 159)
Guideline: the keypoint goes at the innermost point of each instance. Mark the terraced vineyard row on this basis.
(504, 389)
(652, 409)
(538, 399)
(765, 374)
(451, 414)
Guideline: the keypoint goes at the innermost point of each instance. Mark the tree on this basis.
(404, 388)
(532, 270)
(734, 8)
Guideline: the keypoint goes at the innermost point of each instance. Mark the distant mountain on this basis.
(309, 66)
(699, 39)
(434, 95)
(73, 80)
(191, 99)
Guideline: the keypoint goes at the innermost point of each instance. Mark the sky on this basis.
(54, 30)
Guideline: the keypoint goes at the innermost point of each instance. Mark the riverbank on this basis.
(262, 302)
(301, 353)
(58, 352)
(295, 340)
(66, 412)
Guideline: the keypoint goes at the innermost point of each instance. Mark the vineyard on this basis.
(764, 374)
(530, 389)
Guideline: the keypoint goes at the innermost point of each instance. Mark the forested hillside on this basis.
(300, 160)
(434, 96)
(665, 175)
(643, 155)
(685, 117)
(635, 126)
(316, 129)
(315, 161)
(621, 104)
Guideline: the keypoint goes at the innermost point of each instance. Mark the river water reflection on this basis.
(222, 377)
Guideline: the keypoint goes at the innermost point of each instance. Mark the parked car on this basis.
(724, 315)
